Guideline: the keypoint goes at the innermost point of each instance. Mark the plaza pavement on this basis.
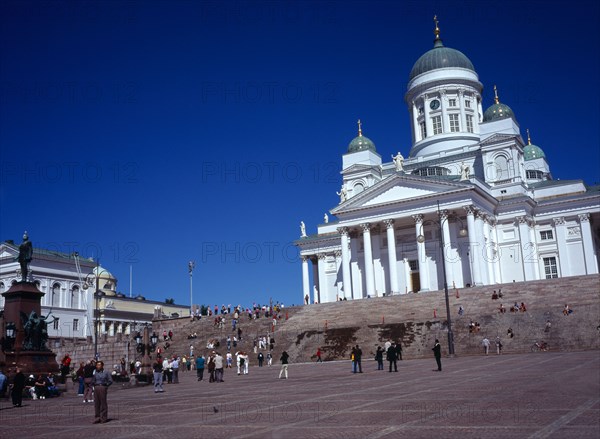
(537, 395)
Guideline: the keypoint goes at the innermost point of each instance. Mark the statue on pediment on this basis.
(399, 162)
(465, 170)
(343, 194)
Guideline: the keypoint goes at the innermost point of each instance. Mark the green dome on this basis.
(532, 152)
(440, 57)
(498, 111)
(361, 143)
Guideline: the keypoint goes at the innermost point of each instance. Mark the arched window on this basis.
(75, 297)
(55, 295)
(501, 164)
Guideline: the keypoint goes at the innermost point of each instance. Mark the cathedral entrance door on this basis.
(416, 282)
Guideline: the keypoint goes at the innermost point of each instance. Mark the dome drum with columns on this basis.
(466, 170)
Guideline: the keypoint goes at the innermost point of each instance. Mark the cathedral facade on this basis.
(474, 203)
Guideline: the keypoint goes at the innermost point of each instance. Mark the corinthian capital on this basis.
(418, 218)
(471, 210)
(343, 230)
(389, 223)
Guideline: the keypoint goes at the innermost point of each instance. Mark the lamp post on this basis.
(191, 266)
(145, 345)
(94, 277)
(462, 232)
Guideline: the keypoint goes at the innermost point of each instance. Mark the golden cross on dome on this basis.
(437, 29)
(528, 138)
(496, 100)
(359, 128)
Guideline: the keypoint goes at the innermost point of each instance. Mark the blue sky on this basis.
(150, 133)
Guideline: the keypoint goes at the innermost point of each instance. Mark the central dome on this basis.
(440, 57)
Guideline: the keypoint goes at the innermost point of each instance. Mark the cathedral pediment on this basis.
(497, 138)
(400, 188)
(7, 251)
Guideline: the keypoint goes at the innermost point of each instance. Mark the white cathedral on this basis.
(473, 203)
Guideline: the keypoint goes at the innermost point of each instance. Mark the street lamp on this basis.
(421, 239)
(94, 277)
(191, 266)
(11, 335)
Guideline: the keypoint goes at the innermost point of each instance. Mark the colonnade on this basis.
(479, 232)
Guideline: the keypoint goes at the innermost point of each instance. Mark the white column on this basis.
(421, 254)
(535, 260)
(526, 246)
(474, 247)
(461, 105)
(416, 127)
(324, 293)
(488, 252)
(343, 231)
(316, 284)
(407, 277)
(560, 227)
(369, 276)
(447, 245)
(479, 112)
(393, 269)
(495, 253)
(591, 262)
(305, 279)
(428, 124)
(481, 253)
(524, 238)
(444, 106)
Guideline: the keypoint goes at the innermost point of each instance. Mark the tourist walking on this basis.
(218, 368)
(392, 357)
(157, 370)
(284, 364)
(88, 374)
(200, 367)
(319, 359)
(18, 385)
(379, 358)
(486, 345)
(498, 346)
(101, 381)
(437, 353)
(260, 358)
(175, 369)
(357, 359)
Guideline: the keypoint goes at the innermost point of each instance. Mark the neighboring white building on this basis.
(69, 285)
(469, 181)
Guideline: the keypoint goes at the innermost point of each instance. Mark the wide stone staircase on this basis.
(414, 320)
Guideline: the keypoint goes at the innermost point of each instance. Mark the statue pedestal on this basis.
(33, 362)
(25, 297)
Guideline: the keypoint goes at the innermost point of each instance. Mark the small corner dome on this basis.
(498, 111)
(440, 57)
(361, 143)
(532, 152)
